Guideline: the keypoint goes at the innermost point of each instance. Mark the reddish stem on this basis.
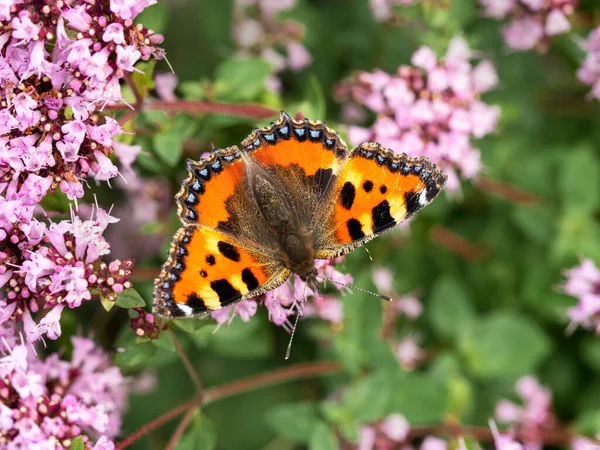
(254, 111)
(507, 191)
(457, 244)
(294, 372)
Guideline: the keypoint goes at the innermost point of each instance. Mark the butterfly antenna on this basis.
(356, 288)
(300, 310)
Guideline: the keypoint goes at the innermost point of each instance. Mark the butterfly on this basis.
(291, 194)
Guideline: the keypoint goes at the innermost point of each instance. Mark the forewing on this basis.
(376, 190)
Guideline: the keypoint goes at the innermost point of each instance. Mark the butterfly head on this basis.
(311, 280)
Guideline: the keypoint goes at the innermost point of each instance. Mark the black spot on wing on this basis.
(383, 189)
(348, 194)
(228, 251)
(210, 260)
(226, 292)
(411, 201)
(195, 302)
(203, 273)
(382, 219)
(368, 186)
(249, 279)
(355, 229)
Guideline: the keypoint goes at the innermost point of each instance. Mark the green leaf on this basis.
(106, 303)
(323, 438)
(164, 341)
(590, 352)
(77, 443)
(57, 201)
(579, 179)
(241, 79)
(293, 421)
(368, 398)
(449, 308)
(247, 340)
(188, 325)
(135, 354)
(202, 436)
(314, 106)
(503, 344)
(419, 397)
(193, 90)
(168, 145)
(130, 298)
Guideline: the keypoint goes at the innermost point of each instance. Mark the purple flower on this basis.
(81, 72)
(383, 10)
(50, 268)
(84, 396)
(583, 282)
(531, 22)
(589, 72)
(431, 109)
(534, 415)
(257, 27)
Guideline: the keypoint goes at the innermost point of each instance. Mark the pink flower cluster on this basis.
(531, 418)
(289, 299)
(432, 109)
(583, 282)
(532, 22)
(407, 350)
(258, 31)
(589, 72)
(60, 64)
(52, 267)
(383, 10)
(391, 433)
(44, 404)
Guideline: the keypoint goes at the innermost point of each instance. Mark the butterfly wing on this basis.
(376, 190)
(207, 270)
(305, 157)
(218, 257)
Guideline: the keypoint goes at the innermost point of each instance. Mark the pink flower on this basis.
(431, 109)
(589, 72)
(257, 28)
(583, 282)
(127, 57)
(83, 396)
(298, 56)
(532, 22)
(114, 33)
(535, 414)
(395, 427)
(165, 86)
(408, 353)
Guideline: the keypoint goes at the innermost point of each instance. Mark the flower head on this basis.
(431, 109)
(50, 402)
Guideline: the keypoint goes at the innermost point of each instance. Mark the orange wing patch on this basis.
(376, 190)
(310, 145)
(208, 270)
(211, 181)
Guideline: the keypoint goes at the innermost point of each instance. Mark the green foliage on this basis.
(130, 298)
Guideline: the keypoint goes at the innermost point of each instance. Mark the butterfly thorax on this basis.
(293, 238)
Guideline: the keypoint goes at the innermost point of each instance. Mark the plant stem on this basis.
(456, 244)
(176, 436)
(251, 110)
(290, 373)
(186, 362)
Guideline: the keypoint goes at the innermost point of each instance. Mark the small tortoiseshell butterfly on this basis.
(292, 194)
